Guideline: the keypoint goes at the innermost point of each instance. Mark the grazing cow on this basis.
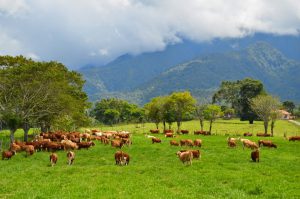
(174, 143)
(267, 143)
(156, 140)
(196, 153)
(189, 143)
(182, 142)
(247, 134)
(117, 143)
(53, 159)
(202, 133)
(71, 157)
(263, 135)
(185, 157)
(154, 131)
(169, 135)
(85, 145)
(231, 143)
(122, 158)
(198, 142)
(294, 138)
(7, 154)
(184, 131)
(127, 141)
(29, 149)
(255, 155)
(68, 144)
(168, 131)
(14, 147)
(249, 144)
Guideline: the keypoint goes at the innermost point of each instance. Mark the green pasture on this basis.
(156, 172)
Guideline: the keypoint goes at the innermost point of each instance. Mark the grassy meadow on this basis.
(155, 171)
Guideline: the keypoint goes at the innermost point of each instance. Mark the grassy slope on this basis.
(155, 171)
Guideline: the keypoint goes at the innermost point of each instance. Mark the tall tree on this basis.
(211, 113)
(154, 110)
(289, 106)
(183, 104)
(40, 92)
(264, 106)
(238, 95)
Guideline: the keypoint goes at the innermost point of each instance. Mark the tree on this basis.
(183, 104)
(40, 92)
(111, 116)
(238, 95)
(167, 112)
(274, 116)
(264, 106)
(200, 108)
(211, 113)
(289, 106)
(153, 110)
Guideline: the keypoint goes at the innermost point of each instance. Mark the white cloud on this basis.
(79, 32)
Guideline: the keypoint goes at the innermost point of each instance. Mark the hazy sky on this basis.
(77, 32)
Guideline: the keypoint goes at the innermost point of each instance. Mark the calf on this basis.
(53, 159)
(267, 143)
(7, 154)
(122, 158)
(185, 157)
(156, 140)
(189, 143)
(255, 155)
(174, 143)
(71, 157)
(231, 143)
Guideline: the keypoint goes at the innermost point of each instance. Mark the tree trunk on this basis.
(210, 126)
(26, 128)
(178, 126)
(156, 125)
(251, 121)
(201, 124)
(272, 127)
(164, 123)
(12, 135)
(266, 124)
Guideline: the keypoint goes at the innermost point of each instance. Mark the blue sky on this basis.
(78, 32)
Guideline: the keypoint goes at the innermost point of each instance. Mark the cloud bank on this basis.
(77, 32)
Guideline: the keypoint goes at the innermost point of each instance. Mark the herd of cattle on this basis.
(70, 141)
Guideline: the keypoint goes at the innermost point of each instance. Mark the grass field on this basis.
(156, 172)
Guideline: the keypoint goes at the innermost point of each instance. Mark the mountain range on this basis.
(200, 68)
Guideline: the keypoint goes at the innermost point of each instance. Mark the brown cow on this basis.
(169, 135)
(156, 140)
(263, 135)
(294, 138)
(267, 143)
(255, 155)
(184, 131)
(196, 153)
(154, 131)
(85, 145)
(53, 159)
(117, 143)
(247, 134)
(174, 143)
(198, 142)
(122, 158)
(71, 157)
(7, 154)
(186, 156)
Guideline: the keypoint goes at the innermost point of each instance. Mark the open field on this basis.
(156, 172)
